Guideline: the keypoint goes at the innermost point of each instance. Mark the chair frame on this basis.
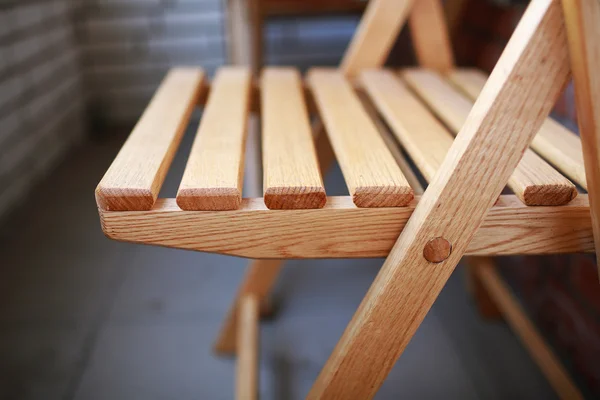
(451, 218)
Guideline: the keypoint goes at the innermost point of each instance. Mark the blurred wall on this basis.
(128, 45)
(41, 97)
(68, 65)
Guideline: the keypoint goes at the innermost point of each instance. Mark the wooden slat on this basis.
(554, 142)
(214, 172)
(534, 180)
(246, 385)
(451, 211)
(375, 35)
(430, 36)
(391, 144)
(136, 175)
(525, 329)
(373, 177)
(342, 230)
(425, 139)
(583, 30)
(291, 172)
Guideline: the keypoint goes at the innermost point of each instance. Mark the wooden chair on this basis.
(501, 131)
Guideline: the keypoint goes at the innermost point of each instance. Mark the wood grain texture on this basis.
(342, 230)
(260, 277)
(488, 148)
(583, 29)
(532, 340)
(534, 180)
(135, 177)
(372, 176)
(391, 144)
(246, 384)
(378, 29)
(292, 179)
(554, 142)
(425, 139)
(430, 36)
(214, 172)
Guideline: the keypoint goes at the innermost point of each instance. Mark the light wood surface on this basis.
(291, 172)
(342, 230)
(245, 32)
(260, 277)
(430, 36)
(391, 143)
(136, 175)
(486, 152)
(534, 180)
(246, 385)
(425, 139)
(378, 29)
(532, 340)
(372, 176)
(214, 172)
(582, 18)
(554, 142)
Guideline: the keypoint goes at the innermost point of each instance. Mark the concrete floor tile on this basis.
(166, 285)
(38, 363)
(155, 362)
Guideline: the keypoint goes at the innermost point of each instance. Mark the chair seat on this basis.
(295, 218)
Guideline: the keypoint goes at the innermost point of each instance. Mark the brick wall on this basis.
(41, 99)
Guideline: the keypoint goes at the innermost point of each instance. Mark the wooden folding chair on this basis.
(502, 138)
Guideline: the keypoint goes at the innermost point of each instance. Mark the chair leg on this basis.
(260, 277)
(247, 343)
(473, 174)
(485, 304)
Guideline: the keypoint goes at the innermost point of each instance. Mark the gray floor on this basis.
(83, 317)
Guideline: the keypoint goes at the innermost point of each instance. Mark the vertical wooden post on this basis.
(246, 386)
(244, 24)
(582, 19)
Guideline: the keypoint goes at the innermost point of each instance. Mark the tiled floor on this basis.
(86, 318)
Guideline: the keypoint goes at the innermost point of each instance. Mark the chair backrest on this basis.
(380, 26)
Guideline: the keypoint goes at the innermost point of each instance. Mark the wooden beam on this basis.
(582, 19)
(292, 179)
(213, 176)
(244, 33)
(425, 139)
(480, 162)
(135, 177)
(554, 142)
(535, 181)
(342, 230)
(372, 176)
(260, 277)
(246, 385)
(532, 340)
(375, 35)
(430, 36)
